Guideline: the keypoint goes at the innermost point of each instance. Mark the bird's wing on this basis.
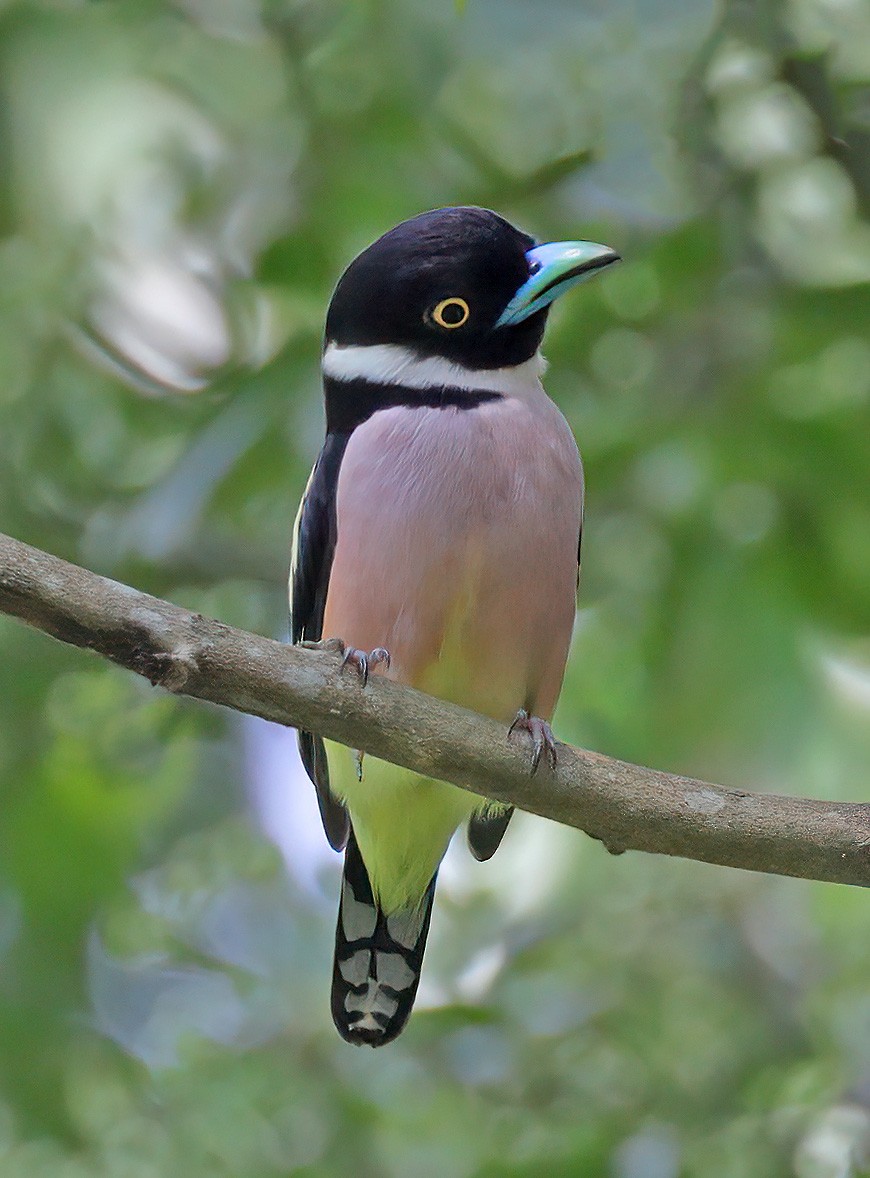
(486, 830)
(311, 562)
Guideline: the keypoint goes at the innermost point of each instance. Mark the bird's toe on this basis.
(364, 661)
(361, 661)
(541, 735)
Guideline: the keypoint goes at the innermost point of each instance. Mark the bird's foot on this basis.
(542, 736)
(363, 661)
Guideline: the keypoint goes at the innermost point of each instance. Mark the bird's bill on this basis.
(554, 268)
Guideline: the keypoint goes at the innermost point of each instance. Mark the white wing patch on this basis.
(297, 524)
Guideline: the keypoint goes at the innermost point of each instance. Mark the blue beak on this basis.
(553, 269)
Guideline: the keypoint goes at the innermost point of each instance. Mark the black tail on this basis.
(378, 958)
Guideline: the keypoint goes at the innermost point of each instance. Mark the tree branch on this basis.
(625, 806)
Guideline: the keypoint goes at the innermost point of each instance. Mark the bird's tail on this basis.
(378, 958)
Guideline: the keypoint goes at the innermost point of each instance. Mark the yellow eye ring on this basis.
(451, 313)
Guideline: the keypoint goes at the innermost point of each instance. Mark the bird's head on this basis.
(460, 284)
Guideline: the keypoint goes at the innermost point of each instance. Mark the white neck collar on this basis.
(392, 364)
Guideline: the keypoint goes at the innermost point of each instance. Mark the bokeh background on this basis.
(180, 186)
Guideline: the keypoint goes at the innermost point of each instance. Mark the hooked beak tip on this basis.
(553, 269)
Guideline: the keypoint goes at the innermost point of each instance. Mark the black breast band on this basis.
(351, 402)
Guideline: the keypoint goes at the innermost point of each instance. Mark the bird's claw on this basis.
(363, 661)
(542, 736)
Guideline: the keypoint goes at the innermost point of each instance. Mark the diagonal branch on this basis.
(625, 806)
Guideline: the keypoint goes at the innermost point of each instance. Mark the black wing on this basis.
(313, 548)
(486, 830)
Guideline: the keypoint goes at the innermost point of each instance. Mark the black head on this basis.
(438, 284)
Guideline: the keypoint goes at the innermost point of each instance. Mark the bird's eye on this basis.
(450, 313)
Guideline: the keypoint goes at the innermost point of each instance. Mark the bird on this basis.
(437, 543)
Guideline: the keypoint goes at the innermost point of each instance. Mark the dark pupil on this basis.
(453, 313)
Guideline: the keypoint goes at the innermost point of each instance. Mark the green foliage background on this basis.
(181, 183)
